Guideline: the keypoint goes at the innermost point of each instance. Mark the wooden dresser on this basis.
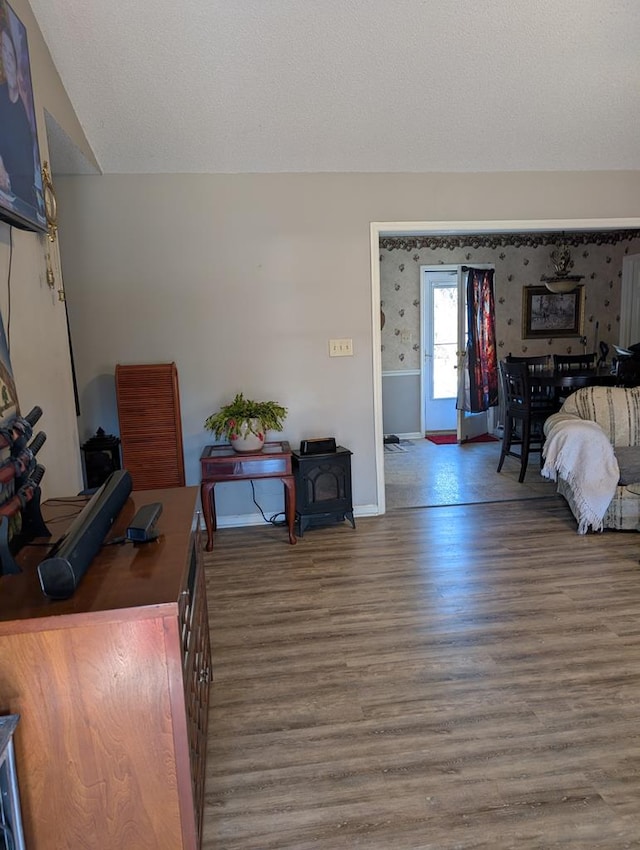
(111, 687)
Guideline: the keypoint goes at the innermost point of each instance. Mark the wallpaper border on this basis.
(501, 240)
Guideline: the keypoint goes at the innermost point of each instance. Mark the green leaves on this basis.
(260, 416)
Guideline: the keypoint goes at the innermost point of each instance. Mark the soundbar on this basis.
(68, 561)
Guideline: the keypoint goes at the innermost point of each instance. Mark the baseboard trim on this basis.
(415, 435)
(241, 520)
(366, 510)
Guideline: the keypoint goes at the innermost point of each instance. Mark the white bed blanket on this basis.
(579, 451)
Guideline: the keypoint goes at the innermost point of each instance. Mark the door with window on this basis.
(440, 309)
(444, 373)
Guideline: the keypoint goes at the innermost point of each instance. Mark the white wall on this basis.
(242, 279)
(33, 316)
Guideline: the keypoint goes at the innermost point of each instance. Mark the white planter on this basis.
(245, 440)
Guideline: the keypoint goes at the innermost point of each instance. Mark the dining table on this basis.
(563, 382)
(573, 379)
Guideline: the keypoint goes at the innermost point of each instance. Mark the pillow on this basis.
(628, 458)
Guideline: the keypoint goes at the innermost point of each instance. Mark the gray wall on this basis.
(400, 404)
(242, 279)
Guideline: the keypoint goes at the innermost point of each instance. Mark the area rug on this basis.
(400, 446)
(451, 439)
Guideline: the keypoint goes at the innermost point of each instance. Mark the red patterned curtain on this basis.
(481, 341)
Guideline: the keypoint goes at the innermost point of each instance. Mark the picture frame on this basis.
(22, 202)
(548, 314)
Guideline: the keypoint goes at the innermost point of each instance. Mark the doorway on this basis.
(443, 369)
(379, 229)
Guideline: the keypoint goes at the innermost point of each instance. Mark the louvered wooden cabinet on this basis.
(150, 425)
(112, 689)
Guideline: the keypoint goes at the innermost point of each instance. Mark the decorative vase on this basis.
(248, 438)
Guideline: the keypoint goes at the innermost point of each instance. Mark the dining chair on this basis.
(537, 363)
(568, 363)
(542, 396)
(573, 362)
(525, 414)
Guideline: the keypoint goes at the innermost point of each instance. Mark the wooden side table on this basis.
(222, 463)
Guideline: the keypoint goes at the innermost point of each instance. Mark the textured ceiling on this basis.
(351, 85)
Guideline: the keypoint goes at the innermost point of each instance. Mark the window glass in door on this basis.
(445, 340)
(439, 296)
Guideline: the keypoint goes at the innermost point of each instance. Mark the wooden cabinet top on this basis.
(121, 579)
(221, 451)
(222, 463)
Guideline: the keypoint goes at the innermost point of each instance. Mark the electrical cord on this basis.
(61, 501)
(80, 503)
(273, 520)
(62, 518)
(115, 541)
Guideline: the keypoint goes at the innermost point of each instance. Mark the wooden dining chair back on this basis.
(573, 362)
(567, 364)
(541, 396)
(524, 417)
(536, 363)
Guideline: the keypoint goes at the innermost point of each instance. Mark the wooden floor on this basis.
(447, 677)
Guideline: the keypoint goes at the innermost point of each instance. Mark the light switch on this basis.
(340, 348)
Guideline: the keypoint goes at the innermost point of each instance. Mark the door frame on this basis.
(441, 228)
(629, 302)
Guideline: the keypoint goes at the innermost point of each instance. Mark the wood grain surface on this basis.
(440, 678)
(101, 682)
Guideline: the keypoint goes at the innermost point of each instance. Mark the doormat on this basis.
(400, 446)
(452, 440)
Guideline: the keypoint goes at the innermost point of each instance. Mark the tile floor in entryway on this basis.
(419, 473)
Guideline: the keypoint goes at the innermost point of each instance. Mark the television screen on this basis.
(21, 196)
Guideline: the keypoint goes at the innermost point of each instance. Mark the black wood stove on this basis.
(323, 488)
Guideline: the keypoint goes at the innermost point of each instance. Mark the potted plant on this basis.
(245, 422)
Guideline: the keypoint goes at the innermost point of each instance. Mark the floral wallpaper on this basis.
(519, 261)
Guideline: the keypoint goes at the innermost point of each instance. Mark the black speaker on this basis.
(70, 558)
(142, 527)
(318, 446)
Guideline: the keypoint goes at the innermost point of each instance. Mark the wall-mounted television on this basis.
(21, 195)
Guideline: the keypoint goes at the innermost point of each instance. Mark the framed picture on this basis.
(550, 314)
(21, 190)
